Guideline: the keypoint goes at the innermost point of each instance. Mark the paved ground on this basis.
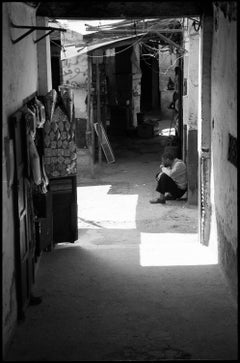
(136, 285)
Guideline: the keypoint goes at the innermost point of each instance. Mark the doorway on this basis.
(150, 95)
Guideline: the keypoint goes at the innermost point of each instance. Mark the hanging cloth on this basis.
(31, 121)
(41, 111)
(50, 100)
(34, 161)
(67, 97)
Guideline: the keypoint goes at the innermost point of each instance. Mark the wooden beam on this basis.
(90, 127)
(119, 9)
(133, 31)
(169, 41)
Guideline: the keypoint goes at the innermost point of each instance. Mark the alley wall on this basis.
(75, 74)
(190, 107)
(167, 64)
(224, 124)
(20, 79)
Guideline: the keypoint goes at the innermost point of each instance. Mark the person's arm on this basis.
(166, 170)
(177, 170)
(160, 172)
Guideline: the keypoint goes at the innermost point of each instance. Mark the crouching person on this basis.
(171, 179)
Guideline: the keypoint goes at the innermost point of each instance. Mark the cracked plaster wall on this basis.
(224, 121)
(190, 110)
(75, 73)
(167, 64)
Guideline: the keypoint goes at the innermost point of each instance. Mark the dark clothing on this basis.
(168, 185)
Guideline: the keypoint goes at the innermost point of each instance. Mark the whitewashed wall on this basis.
(167, 63)
(75, 74)
(193, 75)
(223, 122)
(190, 107)
(136, 82)
(20, 79)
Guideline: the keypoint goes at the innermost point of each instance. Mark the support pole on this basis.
(169, 41)
(90, 128)
(98, 111)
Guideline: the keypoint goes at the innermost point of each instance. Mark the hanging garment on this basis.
(31, 122)
(34, 161)
(44, 175)
(67, 97)
(41, 112)
(33, 108)
(50, 100)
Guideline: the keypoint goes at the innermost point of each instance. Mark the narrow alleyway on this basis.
(136, 285)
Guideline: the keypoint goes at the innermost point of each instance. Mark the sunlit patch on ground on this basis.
(174, 249)
(98, 209)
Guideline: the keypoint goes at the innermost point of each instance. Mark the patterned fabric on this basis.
(59, 145)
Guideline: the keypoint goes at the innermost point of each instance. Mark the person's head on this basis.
(167, 158)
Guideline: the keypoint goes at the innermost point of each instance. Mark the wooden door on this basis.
(43, 222)
(24, 240)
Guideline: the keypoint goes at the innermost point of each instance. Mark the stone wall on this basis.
(223, 124)
(20, 80)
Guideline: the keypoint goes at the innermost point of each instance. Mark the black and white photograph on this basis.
(119, 181)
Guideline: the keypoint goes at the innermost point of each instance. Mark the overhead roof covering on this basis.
(108, 44)
(103, 45)
(113, 39)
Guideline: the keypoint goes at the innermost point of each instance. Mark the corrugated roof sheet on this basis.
(162, 23)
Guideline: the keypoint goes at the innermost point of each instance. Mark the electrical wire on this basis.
(157, 51)
(181, 56)
(149, 66)
(121, 51)
(163, 60)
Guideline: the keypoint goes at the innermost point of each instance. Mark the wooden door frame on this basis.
(16, 120)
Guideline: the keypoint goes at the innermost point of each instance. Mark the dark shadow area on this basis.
(103, 297)
(99, 304)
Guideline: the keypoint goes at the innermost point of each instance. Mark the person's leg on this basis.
(167, 184)
(181, 192)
